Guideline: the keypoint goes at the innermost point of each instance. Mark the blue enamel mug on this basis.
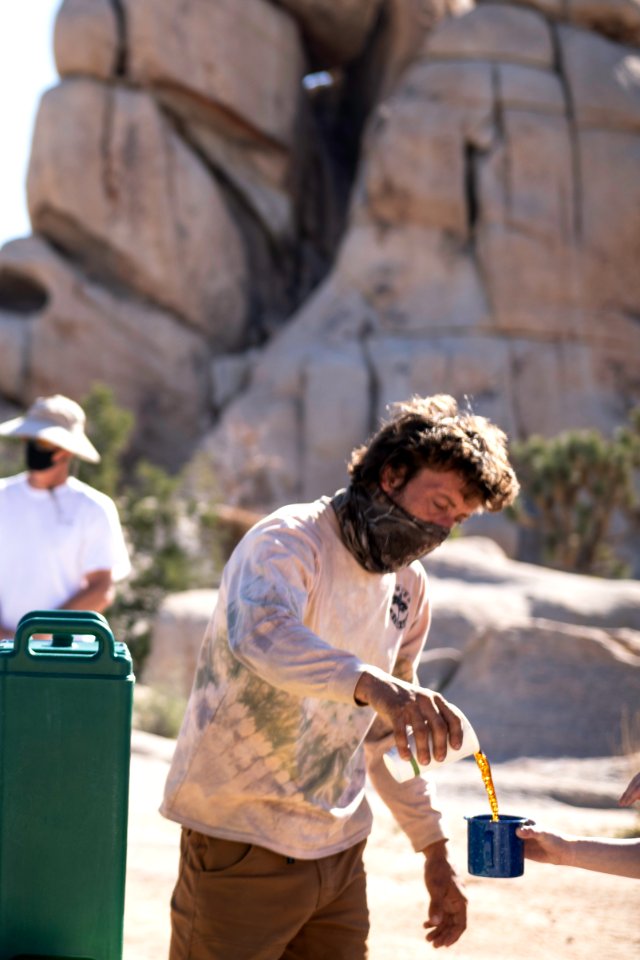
(494, 850)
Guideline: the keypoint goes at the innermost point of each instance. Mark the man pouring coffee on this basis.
(306, 677)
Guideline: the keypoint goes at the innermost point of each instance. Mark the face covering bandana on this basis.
(38, 458)
(380, 534)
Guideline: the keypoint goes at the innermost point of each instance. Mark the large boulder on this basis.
(243, 70)
(237, 103)
(546, 689)
(177, 636)
(151, 219)
(415, 173)
(86, 39)
(477, 591)
(500, 592)
(618, 19)
(604, 79)
(494, 32)
(235, 84)
(66, 332)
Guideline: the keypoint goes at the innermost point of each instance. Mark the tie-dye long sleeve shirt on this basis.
(273, 749)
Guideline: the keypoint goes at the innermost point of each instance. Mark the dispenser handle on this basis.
(63, 622)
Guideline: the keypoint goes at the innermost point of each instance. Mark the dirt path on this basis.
(548, 914)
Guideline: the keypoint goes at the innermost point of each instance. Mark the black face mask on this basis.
(379, 533)
(38, 458)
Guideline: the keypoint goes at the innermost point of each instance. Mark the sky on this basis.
(27, 69)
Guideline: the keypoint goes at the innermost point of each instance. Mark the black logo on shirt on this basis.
(400, 607)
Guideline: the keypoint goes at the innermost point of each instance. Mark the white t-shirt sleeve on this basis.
(104, 546)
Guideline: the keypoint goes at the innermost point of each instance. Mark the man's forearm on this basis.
(436, 849)
(97, 595)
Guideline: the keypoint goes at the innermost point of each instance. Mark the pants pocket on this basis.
(212, 854)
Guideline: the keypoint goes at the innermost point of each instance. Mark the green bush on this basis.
(156, 711)
(12, 458)
(171, 537)
(110, 428)
(575, 486)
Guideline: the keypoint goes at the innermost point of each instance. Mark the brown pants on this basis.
(234, 901)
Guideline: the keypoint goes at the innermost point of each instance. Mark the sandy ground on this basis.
(550, 912)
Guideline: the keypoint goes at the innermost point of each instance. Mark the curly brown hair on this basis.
(432, 432)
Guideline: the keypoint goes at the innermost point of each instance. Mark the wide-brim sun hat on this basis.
(59, 421)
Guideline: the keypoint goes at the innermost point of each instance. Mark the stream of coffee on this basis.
(487, 779)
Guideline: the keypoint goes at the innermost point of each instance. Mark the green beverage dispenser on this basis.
(66, 699)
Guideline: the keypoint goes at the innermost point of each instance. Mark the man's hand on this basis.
(448, 908)
(405, 705)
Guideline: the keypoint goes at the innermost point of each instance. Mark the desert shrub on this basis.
(157, 711)
(110, 427)
(576, 487)
(171, 536)
(12, 458)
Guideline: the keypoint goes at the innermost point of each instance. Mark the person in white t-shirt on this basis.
(62, 542)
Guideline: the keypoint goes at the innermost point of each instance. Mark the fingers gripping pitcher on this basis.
(402, 770)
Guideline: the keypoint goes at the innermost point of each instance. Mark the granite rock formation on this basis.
(264, 222)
